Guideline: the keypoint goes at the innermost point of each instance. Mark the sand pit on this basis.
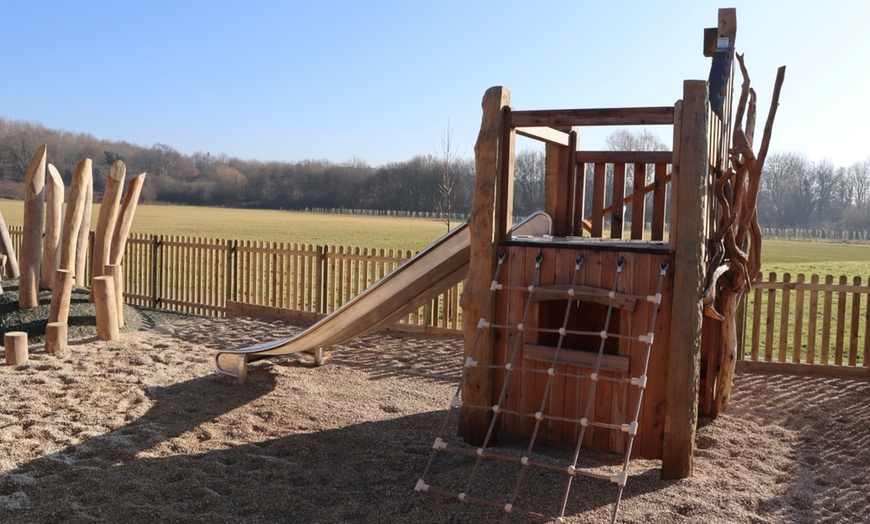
(142, 430)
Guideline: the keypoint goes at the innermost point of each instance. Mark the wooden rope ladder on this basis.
(511, 366)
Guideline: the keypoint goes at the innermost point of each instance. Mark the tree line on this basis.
(795, 191)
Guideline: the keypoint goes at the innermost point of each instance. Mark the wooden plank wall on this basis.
(614, 403)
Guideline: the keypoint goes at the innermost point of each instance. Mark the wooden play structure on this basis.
(617, 330)
(54, 247)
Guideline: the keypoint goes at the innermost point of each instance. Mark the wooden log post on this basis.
(75, 211)
(106, 308)
(125, 220)
(83, 240)
(115, 271)
(15, 345)
(7, 248)
(107, 218)
(53, 216)
(691, 181)
(31, 241)
(56, 338)
(474, 423)
(61, 292)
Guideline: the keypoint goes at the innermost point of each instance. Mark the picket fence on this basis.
(798, 321)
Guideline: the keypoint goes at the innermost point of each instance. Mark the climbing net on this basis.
(528, 459)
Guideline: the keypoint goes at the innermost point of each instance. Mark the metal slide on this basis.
(423, 277)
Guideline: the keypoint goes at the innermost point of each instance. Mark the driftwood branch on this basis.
(738, 229)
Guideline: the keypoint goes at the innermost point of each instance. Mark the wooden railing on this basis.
(801, 320)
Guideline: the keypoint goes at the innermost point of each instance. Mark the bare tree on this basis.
(450, 168)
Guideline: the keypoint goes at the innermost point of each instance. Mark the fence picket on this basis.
(856, 317)
(797, 344)
(784, 316)
(841, 323)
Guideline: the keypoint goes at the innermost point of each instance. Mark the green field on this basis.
(413, 233)
(272, 226)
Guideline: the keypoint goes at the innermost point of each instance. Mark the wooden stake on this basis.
(61, 292)
(31, 241)
(75, 210)
(56, 337)
(107, 218)
(115, 271)
(125, 220)
(15, 344)
(83, 241)
(8, 249)
(53, 216)
(107, 307)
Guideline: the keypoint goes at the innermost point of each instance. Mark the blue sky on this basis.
(379, 81)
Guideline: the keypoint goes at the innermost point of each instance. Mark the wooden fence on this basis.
(799, 321)
(304, 282)
(807, 321)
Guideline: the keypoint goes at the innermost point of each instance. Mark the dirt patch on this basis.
(143, 430)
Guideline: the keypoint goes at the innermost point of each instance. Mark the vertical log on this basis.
(61, 291)
(75, 211)
(684, 359)
(82, 243)
(53, 216)
(115, 271)
(56, 337)
(107, 218)
(473, 424)
(106, 307)
(31, 241)
(15, 346)
(125, 219)
(8, 249)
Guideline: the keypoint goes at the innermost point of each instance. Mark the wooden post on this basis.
(115, 271)
(8, 249)
(53, 216)
(107, 218)
(125, 220)
(691, 176)
(473, 423)
(75, 211)
(15, 345)
(155, 268)
(56, 337)
(107, 307)
(84, 237)
(61, 292)
(31, 241)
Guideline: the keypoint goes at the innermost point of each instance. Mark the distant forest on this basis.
(795, 192)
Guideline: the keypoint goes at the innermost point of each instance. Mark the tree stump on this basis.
(15, 343)
(55, 337)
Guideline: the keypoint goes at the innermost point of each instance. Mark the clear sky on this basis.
(380, 80)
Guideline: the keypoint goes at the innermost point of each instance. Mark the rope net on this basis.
(508, 500)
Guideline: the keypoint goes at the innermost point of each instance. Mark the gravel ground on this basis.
(142, 430)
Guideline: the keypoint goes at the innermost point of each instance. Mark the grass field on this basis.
(413, 233)
(272, 226)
